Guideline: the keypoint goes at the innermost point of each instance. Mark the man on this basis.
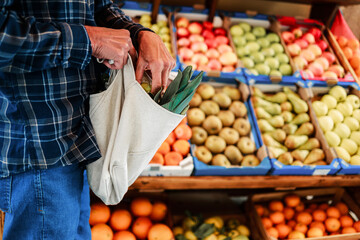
(47, 72)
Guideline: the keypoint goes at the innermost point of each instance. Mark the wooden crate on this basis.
(328, 195)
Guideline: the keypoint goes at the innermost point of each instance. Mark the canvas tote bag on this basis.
(129, 127)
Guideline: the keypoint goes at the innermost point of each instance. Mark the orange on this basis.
(259, 209)
(120, 220)
(181, 146)
(266, 222)
(277, 217)
(357, 226)
(101, 231)
(266, 212)
(160, 232)
(141, 227)
(158, 158)
(273, 232)
(343, 208)
(171, 138)
(348, 52)
(289, 213)
(164, 148)
(300, 207)
(308, 210)
(355, 61)
(348, 230)
(318, 225)
(292, 200)
(141, 207)
(301, 228)
(173, 159)
(319, 215)
(304, 217)
(332, 224)
(353, 44)
(183, 121)
(346, 221)
(324, 206)
(313, 206)
(283, 230)
(183, 131)
(342, 41)
(158, 212)
(333, 212)
(99, 213)
(124, 235)
(315, 232)
(296, 235)
(276, 206)
(291, 224)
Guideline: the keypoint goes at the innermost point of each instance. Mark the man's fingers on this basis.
(140, 68)
(133, 55)
(165, 78)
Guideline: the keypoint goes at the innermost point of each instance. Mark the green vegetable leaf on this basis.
(172, 88)
(186, 75)
(204, 230)
(181, 237)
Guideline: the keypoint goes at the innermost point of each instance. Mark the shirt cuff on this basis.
(76, 46)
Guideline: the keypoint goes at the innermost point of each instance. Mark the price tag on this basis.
(319, 172)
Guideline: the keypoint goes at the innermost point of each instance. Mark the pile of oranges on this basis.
(350, 48)
(141, 221)
(176, 146)
(291, 219)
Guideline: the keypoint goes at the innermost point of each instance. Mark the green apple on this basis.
(239, 41)
(349, 145)
(145, 18)
(259, 31)
(282, 57)
(248, 62)
(275, 73)
(164, 30)
(342, 130)
(162, 23)
(273, 38)
(355, 160)
(320, 108)
(254, 71)
(326, 123)
(242, 52)
(155, 28)
(285, 69)
(356, 114)
(352, 123)
(339, 93)
(343, 154)
(236, 30)
(264, 43)
(146, 24)
(330, 101)
(278, 48)
(165, 37)
(345, 108)
(354, 100)
(257, 57)
(268, 52)
(355, 136)
(253, 46)
(250, 37)
(336, 116)
(262, 69)
(273, 63)
(332, 139)
(245, 26)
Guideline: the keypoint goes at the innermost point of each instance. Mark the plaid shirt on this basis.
(46, 76)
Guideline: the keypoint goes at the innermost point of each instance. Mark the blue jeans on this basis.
(46, 204)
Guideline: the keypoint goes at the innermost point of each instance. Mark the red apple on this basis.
(211, 43)
(190, 63)
(185, 53)
(315, 32)
(315, 49)
(329, 56)
(195, 28)
(309, 38)
(297, 32)
(316, 68)
(221, 40)
(288, 37)
(212, 53)
(204, 68)
(223, 48)
(200, 59)
(308, 55)
(323, 62)
(228, 69)
(208, 25)
(339, 70)
(196, 38)
(300, 62)
(208, 34)
(182, 22)
(183, 42)
(228, 58)
(330, 74)
(219, 32)
(302, 43)
(197, 47)
(322, 44)
(182, 32)
(308, 74)
(294, 49)
(214, 64)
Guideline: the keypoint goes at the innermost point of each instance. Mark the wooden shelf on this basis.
(244, 182)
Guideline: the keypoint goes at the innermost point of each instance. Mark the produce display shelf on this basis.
(243, 182)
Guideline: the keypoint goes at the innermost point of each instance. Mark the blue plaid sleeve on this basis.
(28, 46)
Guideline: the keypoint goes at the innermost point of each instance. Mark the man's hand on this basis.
(153, 56)
(111, 44)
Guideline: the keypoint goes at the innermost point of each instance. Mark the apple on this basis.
(219, 32)
(288, 37)
(207, 25)
(308, 55)
(195, 28)
(164, 30)
(183, 42)
(330, 101)
(228, 58)
(248, 62)
(322, 45)
(155, 28)
(250, 37)
(282, 58)
(272, 37)
(339, 93)
(275, 73)
(165, 38)
(182, 22)
(294, 49)
(308, 74)
(326, 123)
(323, 62)
(309, 38)
(262, 69)
(285, 69)
(212, 53)
(343, 154)
(199, 47)
(315, 32)
(300, 62)
(211, 43)
(320, 108)
(223, 48)
(329, 56)
(196, 38)
(245, 26)
(190, 63)
(316, 68)
(182, 32)
(278, 48)
(342, 130)
(297, 32)
(200, 59)
(259, 31)
(228, 69)
(352, 123)
(315, 49)
(336, 116)
(263, 42)
(302, 43)
(354, 100)
(356, 114)
(204, 68)
(208, 34)
(257, 57)
(240, 41)
(254, 71)
(349, 145)
(332, 139)
(339, 70)
(236, 30)
(329, 75)
(221, 40)
(273, 63)
(253, 46)
(242, 51)
(214, 64)
(185, 53)
(345, 108)
(268, 52)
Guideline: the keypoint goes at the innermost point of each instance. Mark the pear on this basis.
(261, 113)
(294, 141)
(286, 158)
(275, 152)
(317, 163)
(305, 129)
(300, 155)
(273, 109)
(288, 91)
(265, 126)
(310, 144)
(299, 105)
(279, 135)
(288, 116)
(315, 155)
(301, 118)
(290, 128)
(270, 141)
(258, 92)
(286, 106)
(279, 97)
(259, 102)
(297, 163)
(276, 121)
